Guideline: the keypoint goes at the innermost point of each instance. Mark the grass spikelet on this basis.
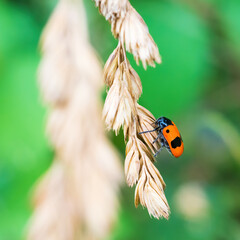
(77, 198)
(121, 107)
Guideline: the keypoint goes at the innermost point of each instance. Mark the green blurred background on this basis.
(197, 86)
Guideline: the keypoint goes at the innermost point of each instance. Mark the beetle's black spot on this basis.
(167, 131)
(176, 142)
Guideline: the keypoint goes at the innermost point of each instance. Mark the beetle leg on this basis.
(167, 147)
(159, 136)
(164, 142)
(158, 152)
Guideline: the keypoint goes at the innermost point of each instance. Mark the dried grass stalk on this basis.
(129, 27)
(121, 108)
(77, 198)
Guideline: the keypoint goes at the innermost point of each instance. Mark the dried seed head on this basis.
(128, 26)
(119, 105)
(150, 194)
(77, 199)
(53, 201)
(132, 162)
(111, 66)
(154, 173)
(130, 76)
(100, 174)
(134, 82)
(112, 9)
(111, 105)
(62, 61)
(58, 26)
(134, 33)
(121, 108)
(150, 186)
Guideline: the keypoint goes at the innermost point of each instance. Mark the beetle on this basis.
(169, 136)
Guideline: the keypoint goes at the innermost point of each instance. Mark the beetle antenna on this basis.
(149, 131)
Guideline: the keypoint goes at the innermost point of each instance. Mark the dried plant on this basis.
(77, 198)
(121, 108)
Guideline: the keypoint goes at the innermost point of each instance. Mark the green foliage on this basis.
(193, 86)
(24, 154)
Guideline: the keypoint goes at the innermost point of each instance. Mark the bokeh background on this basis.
(197, 86)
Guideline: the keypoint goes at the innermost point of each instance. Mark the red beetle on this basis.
(169, 136)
